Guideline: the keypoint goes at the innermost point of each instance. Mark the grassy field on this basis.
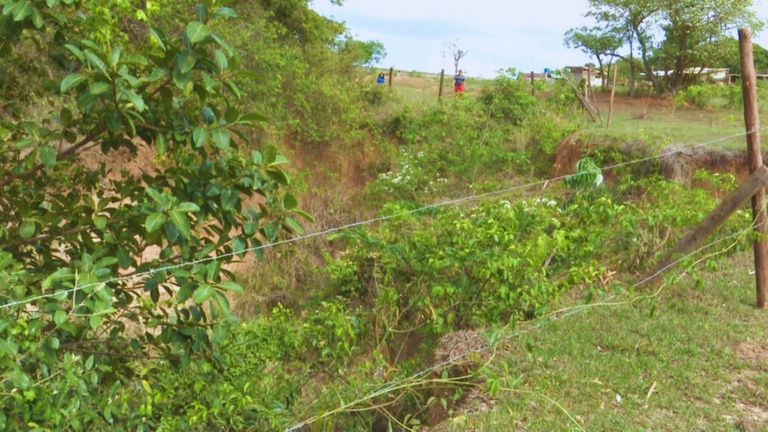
(658, 121)
(693, 358)
(691, 355)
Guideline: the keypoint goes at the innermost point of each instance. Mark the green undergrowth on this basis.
(355, 349)
(692, 357)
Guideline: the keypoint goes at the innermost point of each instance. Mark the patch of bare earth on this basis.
(677, 162)
(458, 354)
(749, 414)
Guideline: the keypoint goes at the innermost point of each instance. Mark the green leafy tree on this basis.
(102, 267)
(673, 35)
(595, 42)
(367, 53)
(695, 34)
(733, 57)
(303, 73)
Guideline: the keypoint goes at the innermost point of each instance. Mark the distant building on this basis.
(716, 75)
(580, 72)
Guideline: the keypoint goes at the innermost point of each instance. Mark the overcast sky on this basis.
(498, 34)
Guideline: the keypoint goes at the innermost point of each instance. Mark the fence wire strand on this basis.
(326, 232)
(536, 324)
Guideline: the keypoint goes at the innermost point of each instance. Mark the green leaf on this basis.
(60, 274)
(202, 12)
(60, 317)
(114, 120)
(208, 115)
(22, 10)
(197, 31)
(135, 98)
(270, 231)
(229, 198)
(230, 286)
(157, 74)
(221, 61)
(100, 222)
(270, 154)
(223, 44)
(157, 37)
(221, 137)
(295, 226)
(239, 244)
(135, 59)
(223, 303)
(123, 258)
(203, 293)
(225, 12)
(37, 19)
(99, 87)
(233, 88)
(185, 61)
(161, 145)
(48, 156)
(24, 143)
(76, 52)
(71, 80)
(290, 202)
(154, 221)
(157, 197)
(27, 229)
(20, 379)
(96, 62)
(180, 220)
(95, 321)
(304, 214)
(65, 116)
(114, 56)
(187, 207)
(280, 160)
(199, 136)
(280, 176)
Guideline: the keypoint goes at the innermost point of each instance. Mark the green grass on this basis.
(699, 362)
(718, 128)
(658, 122)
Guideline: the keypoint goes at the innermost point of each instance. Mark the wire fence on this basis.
(528, 327)
(326, 232)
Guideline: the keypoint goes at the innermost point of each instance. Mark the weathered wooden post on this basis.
(588, 83)
(391, 70)
(440, 89)
(755, 156)
(533, 85)
(614, 68)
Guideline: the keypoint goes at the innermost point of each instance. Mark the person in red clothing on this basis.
(458, 83)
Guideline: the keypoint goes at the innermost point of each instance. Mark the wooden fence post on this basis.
(614, 68)
(391, 70)
(755, 156)
(440, 90)
(533, 85)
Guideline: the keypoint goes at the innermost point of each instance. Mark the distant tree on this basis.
(366, 53)
(457, 53)
(732, 59)
(595, 42)
(674, 35)
(633, 20)
(695, 33)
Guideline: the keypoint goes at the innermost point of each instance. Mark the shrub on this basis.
(510, 97)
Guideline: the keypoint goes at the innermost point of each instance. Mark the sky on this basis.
(497, 34)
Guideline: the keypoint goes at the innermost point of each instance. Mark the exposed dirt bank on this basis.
(675, 162)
